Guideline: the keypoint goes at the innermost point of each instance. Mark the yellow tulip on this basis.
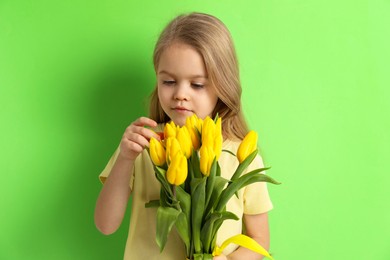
(207, 156)
(218, 138)
(243, 241)
(218, 126)
(208, 132)
(157, 152)
(247, 146)
(192, 124)
(212, 135)
(170, 130)
(191, 120)
(177, 170)
(218, 146)
(196, 122)
(172, 148)
(184, 138)
(199, 125)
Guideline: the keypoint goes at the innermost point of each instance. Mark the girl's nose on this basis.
(181, 92)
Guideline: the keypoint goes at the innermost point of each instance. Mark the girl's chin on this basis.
(180, 121)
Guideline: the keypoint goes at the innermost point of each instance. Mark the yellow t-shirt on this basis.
(252, 199)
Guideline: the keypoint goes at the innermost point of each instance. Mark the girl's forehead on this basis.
(181, 59)
(172, 74)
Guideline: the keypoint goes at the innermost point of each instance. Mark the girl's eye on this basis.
(168, 82)
(197, 85)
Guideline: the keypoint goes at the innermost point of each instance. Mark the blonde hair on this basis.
(210, 37)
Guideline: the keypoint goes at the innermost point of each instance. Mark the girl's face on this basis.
(182, 84)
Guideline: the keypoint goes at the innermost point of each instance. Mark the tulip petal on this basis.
(170, 130)
(243, 241)
(157, 152)
(207, 156)
(177, 170)
(184, 138)
(247, 146)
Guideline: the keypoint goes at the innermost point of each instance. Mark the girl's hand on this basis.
(220, 257)
(136, 138)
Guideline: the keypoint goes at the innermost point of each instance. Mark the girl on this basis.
(197, 72)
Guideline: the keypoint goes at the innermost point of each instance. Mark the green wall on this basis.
(315, 74)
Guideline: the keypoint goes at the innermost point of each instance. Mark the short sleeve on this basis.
(107, 170)
(256, 197)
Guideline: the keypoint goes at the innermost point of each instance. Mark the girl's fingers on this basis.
(145, 121)
(137, 136)
(133, 146)
(138, 139)
(138, 133)
(141, 130)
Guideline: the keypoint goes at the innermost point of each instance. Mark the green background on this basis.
(315, 74)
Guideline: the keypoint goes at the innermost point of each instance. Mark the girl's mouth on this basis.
(181, 109)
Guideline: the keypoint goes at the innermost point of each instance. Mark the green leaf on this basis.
(211, 227)
(190, 174)
(237, 184)
(211, 181)
(218, 188)
(166, 218)
(218, 224)
(185, 205)
(218, 170)
(242, 166)
(198, 190)
(165, 201)
(259, 178)
(206, 232)
(216, 118)
(182, 227)
(196, 165)
(160, 175)
(203, 257)
(230, 152)
(185, 201)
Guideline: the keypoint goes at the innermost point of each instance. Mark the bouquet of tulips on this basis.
(193, 193)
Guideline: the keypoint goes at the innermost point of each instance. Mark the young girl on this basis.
(197, 73)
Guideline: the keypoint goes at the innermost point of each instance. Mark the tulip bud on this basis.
(207, 156)
(247, 146)
(212, 135)
(183, 136)
(208, 132)
(170, 130)
(177, 170)
(192, 126)
(172, 148)
(191, 120)
(157, 152)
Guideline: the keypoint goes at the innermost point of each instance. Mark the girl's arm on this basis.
(112, 201)
(113, 198)
(256, 228)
